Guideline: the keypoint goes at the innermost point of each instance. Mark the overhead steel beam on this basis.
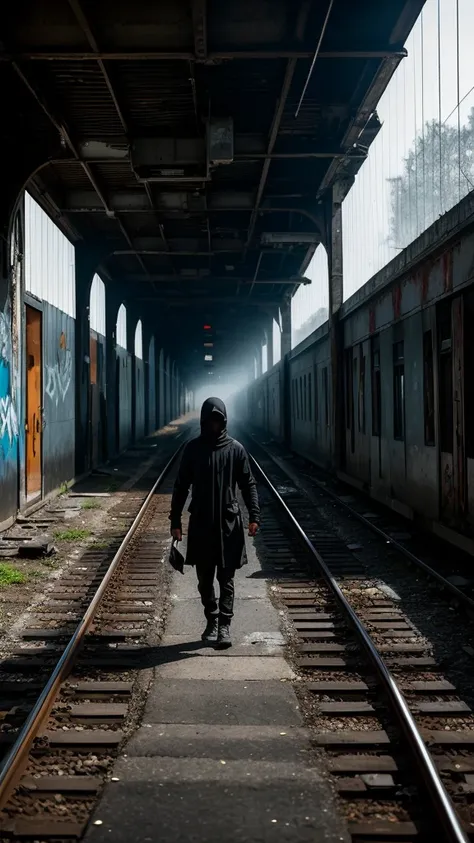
(207, 279)
(277, 117)
(239, 156)
(86, 28)
(203, 304)
(215, 56)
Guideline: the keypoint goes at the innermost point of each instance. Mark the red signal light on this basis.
(207, 327)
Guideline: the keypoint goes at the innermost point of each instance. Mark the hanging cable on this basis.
(310, 72)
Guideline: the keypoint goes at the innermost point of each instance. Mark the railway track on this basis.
(436, 559)
(399, 739)
(66, 690)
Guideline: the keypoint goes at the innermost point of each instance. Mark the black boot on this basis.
(223, 638)
(211, 630)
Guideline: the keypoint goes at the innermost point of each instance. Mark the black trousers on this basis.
(213, 608)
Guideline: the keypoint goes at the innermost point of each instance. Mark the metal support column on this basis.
(86, 260)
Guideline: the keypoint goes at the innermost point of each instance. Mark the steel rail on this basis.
(17, 758)
(436, 790)
(400, 548)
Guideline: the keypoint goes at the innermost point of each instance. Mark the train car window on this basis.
(428, 388)
(305, 415)
(301, 398)
(361, 390)
(445, 375)
(398, 392)
(326, 397)
(310, 398)
(295, 400)
(376, 388)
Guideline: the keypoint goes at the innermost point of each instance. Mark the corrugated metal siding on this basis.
(49, 260)
(121, 330)
(152, 387)
(59, 398)
(97, 306)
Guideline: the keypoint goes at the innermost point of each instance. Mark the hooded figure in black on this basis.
(214, 464)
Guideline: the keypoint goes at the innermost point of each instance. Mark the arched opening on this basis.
(123, 405)
(309, 305)
(97, 416)
(139, 403)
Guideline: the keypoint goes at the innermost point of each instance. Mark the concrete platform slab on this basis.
(222, 742)
(240, 668)
(189, 801)
(223, 702)
(254, 643)
(187, 617)
(247, 585)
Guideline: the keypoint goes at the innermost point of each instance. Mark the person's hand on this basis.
(177, 534)
(253, 529)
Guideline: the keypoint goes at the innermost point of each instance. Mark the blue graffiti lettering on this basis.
(8, 416)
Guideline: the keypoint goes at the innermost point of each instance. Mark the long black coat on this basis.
(215, 526)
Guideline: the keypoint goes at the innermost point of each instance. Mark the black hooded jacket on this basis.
(214, 464)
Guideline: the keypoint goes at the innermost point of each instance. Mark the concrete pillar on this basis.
(258, 357)
(334, 241)
(269, 336)
(286, 327)
(113, 300)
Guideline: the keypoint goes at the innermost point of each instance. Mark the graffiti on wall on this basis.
(8, 415)
(58, 377)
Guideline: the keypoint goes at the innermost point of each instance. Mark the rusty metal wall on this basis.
(58, 397)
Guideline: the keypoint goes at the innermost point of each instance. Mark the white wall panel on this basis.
(49, 260)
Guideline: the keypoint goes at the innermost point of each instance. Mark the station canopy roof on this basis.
(199, 140)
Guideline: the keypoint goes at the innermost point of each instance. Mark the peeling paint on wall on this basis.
(58, 377)
(8, 414)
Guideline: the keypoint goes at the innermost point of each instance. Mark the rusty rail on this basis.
(17, 758)
(437, 793)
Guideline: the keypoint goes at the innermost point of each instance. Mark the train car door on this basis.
(459, 450)
(453, 475)
(469, 402)
(34, 409)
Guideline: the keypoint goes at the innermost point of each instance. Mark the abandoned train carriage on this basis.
(407, 339)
